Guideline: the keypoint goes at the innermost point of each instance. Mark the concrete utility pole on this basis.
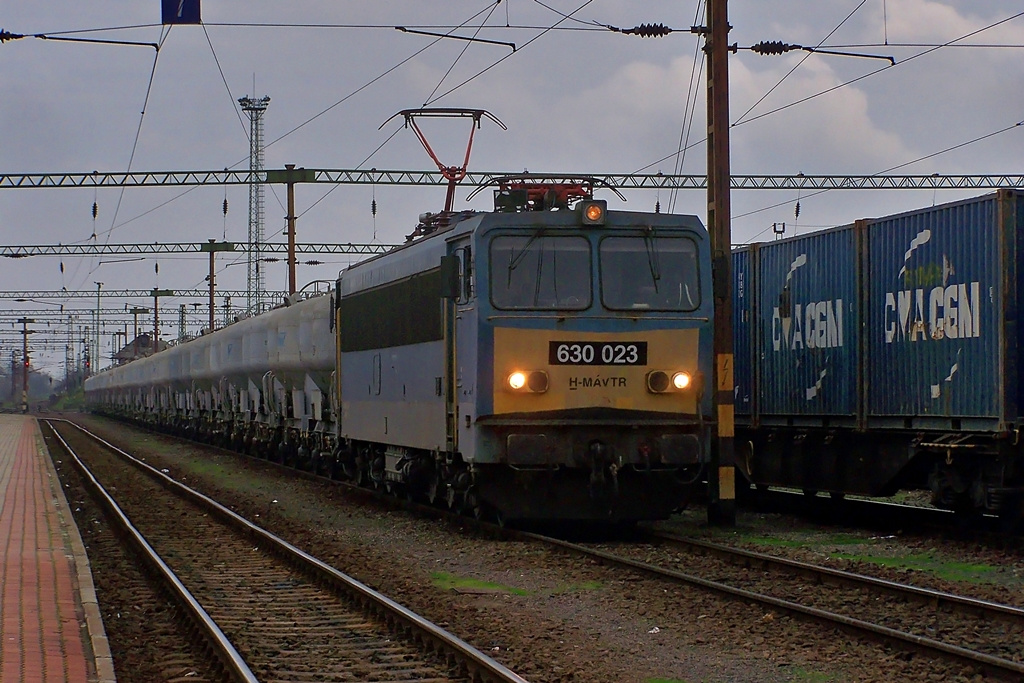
(14, 369)
(291, 232)
(135, 311)
(291, 175)
(96, 329)
(87, 346)
(213, 247)
(157, 293)
(24, 366)
(722, 472)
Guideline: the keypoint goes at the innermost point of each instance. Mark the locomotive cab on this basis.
(582, 356)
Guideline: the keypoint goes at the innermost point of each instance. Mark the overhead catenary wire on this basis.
(879, 70)
(224, 80)
(1016, 126)
(794, 103)
(927, 51)
(115, 226)
(138, 134)
(499, 61)
(796, 66)
(440, 82)
(690, 109)
(553, 28)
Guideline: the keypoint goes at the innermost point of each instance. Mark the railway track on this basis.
(883, 515)
(981, 634)
(270, 611)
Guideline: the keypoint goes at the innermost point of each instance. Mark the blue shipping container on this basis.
(742, 321)
(941, 339)
(808, 309)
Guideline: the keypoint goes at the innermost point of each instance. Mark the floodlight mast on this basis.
(453, 174)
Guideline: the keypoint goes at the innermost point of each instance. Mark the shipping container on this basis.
(743, 327)
(808, 315)
(942, 340)
(886, 354)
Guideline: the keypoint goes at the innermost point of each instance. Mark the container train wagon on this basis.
(887, 354)
(544, 361)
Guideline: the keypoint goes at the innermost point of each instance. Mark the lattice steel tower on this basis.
(254, 109)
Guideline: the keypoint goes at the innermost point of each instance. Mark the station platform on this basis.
(51, 626)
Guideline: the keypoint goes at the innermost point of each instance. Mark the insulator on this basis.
(657, 206)
(772, 47)
(225, 206)
(7, 35)
(95, 209)
(649, 30)
(62, 266)
(314, 263)
(373, 208)
(796, 210)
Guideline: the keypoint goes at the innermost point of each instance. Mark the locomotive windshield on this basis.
(649, 272)
(540, 271)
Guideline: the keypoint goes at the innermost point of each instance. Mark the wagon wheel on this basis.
(451, 497)
(500, 519)
(435, 489)
(473, 504)
(351, 471)
(1011, 514)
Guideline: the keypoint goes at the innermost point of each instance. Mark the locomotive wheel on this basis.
(377, 473)
(361, 476)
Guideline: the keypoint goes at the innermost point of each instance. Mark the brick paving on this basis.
(51, 628)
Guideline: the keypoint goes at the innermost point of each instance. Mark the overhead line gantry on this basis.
(23, 250)
(622, 181)
(123, 294)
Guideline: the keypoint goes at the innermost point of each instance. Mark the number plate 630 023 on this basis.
(597, 353)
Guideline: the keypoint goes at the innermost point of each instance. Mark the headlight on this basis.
(657, 382)
(534, 381)
(662, 382)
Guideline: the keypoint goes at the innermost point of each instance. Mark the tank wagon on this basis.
(886, 354)
(544, 361)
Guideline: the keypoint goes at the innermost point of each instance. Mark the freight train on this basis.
(547, 360)
(887, 354)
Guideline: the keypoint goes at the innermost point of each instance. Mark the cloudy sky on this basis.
(574, 96)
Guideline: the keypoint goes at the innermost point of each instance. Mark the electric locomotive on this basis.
(547, 360)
